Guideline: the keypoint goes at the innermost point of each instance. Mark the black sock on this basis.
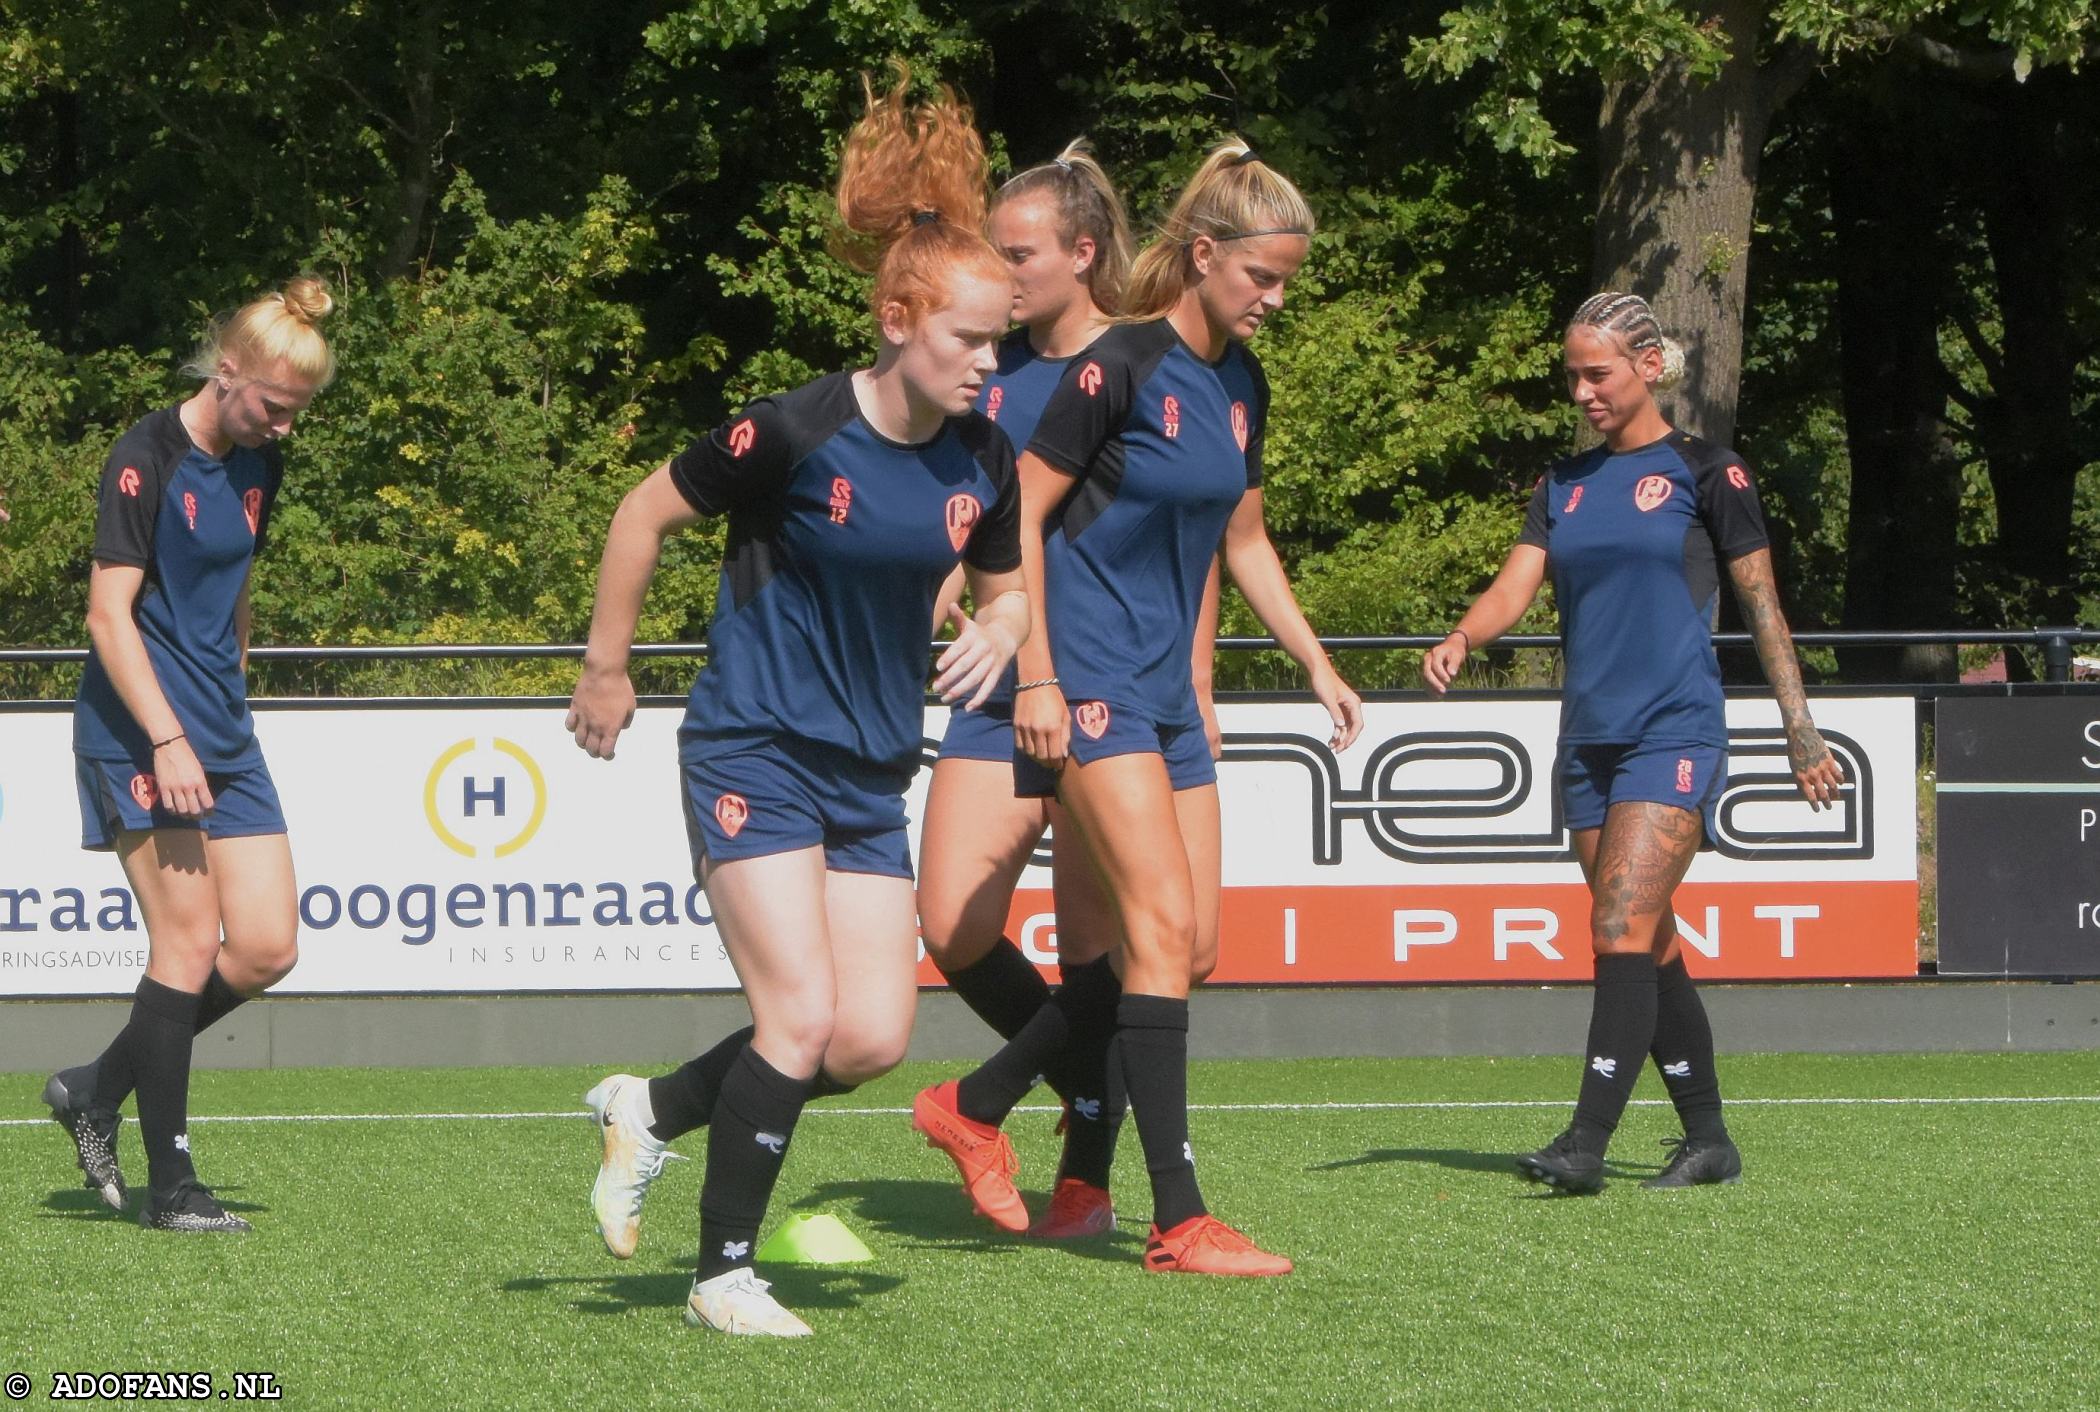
(1043, 1047)
(109, 1078)
(218, 1001)
(1003, 987)
(162, 1029)
(1095, 1107)
(1622, 1022)
(1152, 1049)
(684, 1099)
(1684, 1052)
(755, 1115)
(825, 1086)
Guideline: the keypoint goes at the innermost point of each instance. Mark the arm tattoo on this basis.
(1759, 595)
(1641, 858)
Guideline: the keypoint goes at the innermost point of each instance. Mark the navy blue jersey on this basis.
(1014, 397)
(194, 523)
(1165, 445)
(839, 539)
(1634, 541)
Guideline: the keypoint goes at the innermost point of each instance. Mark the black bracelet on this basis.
(179, 735)
(1460, 632)
(1021, 686)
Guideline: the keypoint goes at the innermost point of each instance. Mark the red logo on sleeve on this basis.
(128, 481)
(251, 506)
(741, 436)
(1651, 492)
(962, 515)
(189, 508)
(1574, 499)
(1090, 379)
(1684, 777)
(1239, 424)
(144, 790)
(992, 399)
(1738, 477)
(1091, 717)
(841, 499)
(731, 811)
(1170, 412)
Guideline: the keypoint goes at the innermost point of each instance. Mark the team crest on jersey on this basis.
(1651, 492)
(189, 508)
(731, 810)
(1091, 717)
(1738, 477)
(1239, 424)
(1574, 499)
(1090, 379)
(128, 481)
(962, 516)
(251, 506)
(841, 499)
(1170, 414)
(144, 790)
(992, 400)
(741, 436)
(1684, 776)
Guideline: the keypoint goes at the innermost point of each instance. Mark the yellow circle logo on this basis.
(485, 797)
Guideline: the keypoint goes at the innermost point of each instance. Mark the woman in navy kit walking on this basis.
(170, 774)
(1062, 229)
(1148, 454)
(849, 500)
(1633, 532)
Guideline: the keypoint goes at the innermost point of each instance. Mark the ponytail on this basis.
(1232, 196)
(911, 198)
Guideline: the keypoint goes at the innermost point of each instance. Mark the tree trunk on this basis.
(1887, 195)
(1677, 160)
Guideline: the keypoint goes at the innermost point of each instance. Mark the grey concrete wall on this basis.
(442, 1031)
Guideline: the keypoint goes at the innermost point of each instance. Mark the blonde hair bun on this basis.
(307, 299)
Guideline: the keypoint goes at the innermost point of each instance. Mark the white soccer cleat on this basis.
(631, 1159)
(738, 1303)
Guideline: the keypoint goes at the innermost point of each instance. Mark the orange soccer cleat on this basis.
(1205, 1245)
(1077, 1208)
(982, 1154)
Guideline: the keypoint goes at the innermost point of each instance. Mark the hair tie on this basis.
(924, 218)
(1271, 230)
(1061, 164)
(1245, 157)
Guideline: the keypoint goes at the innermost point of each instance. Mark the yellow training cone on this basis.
(814, 1240)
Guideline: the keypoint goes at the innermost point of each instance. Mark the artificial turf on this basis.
(1907, 1254)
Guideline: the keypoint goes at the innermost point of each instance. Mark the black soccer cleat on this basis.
(188, 1206)
(1697, 1163)
(1564, 1166)
(94, 1140)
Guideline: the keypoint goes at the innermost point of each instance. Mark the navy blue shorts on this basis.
(117, 796)
(986, 733)
(1595, 777)
(749, 798)
(1101, 729)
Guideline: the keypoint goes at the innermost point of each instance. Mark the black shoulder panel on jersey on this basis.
(1727, 496)
(134, 482)
(995, 540)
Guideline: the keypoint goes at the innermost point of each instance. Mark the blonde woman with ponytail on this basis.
(170, 774)
(1635, 532)
(1147, 456)
(1062, 230)
(849, 500)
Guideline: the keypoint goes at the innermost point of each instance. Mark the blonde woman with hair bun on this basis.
(1147, 458)
(170, 774)
(849, 501)
(1635, 532)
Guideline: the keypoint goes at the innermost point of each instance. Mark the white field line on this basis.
(1368, 1107)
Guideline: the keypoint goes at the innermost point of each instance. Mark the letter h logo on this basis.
(492, 795)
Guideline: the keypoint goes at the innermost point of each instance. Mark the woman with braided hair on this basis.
(1634, 532)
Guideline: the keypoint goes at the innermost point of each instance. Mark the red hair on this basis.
(911, 199)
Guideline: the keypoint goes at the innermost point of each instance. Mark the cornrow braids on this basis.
(1627, 318)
